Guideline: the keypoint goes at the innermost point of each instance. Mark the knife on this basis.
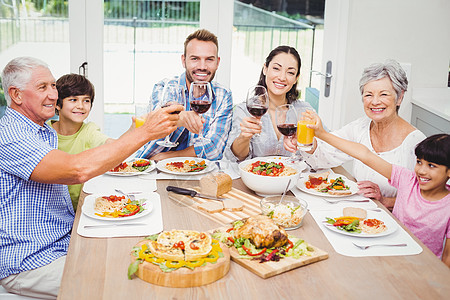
(192, 193)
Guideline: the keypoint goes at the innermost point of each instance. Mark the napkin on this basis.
(343, 243)
(106, 184)
(152, 223)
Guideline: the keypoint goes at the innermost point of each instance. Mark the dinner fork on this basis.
(129, 195)
(341, 200)
(364, 247)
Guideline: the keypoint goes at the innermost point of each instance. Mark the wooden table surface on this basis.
(96, 268)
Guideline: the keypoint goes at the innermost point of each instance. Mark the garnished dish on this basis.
(270, 169)
(324, 184)
(175, 249)
(115, 207)
(131, 168)
(259, 238)
(185, 166)
(287, 212)
(355, 222)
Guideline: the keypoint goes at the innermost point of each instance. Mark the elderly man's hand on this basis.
(161, 122)
(191, 121)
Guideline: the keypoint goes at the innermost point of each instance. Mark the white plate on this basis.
(390, 223)
(161, 165)
(89, 201)
(301, 185)
(149, 169)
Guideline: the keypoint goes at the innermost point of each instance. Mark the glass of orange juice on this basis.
(140, 112)
(305, 135)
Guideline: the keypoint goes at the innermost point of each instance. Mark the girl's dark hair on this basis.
(74, 85)
(292, 95)
(435, 149)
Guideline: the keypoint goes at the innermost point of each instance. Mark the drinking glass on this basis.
(140, 112)
(200, 99)
(286, 120)
(257, 102)
(305, 135)
(171, 94)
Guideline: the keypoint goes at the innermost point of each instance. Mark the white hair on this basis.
(18, 73)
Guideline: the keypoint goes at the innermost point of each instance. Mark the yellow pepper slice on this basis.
(175, 264)
(215, 256)
(194, 263)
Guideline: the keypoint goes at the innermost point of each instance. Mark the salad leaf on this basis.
(133, 267)
(141, 169)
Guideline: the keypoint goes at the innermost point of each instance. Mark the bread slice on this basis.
(339, 192)
(215, 184)
(233, 205)
(211, 206)
(359, 213)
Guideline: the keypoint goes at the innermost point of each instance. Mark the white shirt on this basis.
(358, 131)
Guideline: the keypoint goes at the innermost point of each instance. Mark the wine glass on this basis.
(286, 120)
(257, 102)
(200, 99)
(171, 94)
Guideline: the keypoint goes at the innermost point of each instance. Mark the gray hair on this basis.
(390, 69)
(18, 73)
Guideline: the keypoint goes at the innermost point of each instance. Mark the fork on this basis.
(364, 247)
(130, 195)
(337, 201)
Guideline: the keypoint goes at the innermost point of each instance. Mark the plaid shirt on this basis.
(215, 129)
(35, 218)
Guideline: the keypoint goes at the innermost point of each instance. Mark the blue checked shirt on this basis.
(215, 129)
(35, 218)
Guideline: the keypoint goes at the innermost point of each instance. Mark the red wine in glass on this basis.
(287, 129)
(257, 110)
(169, 104)
(200, 106)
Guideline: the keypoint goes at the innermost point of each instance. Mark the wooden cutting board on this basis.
(272, 268)
(184, 277)
(251, 206)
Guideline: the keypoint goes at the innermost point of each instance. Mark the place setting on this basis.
(120, 214)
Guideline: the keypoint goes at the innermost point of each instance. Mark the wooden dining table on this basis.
(96, 268)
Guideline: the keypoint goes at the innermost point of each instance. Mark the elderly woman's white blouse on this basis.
(264, 145)
(358, 131)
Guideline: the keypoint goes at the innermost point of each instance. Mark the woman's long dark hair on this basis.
(292, 94)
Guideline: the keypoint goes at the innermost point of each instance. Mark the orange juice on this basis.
(305, 135)
(139, 122)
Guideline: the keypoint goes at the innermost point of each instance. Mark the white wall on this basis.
(415, 32)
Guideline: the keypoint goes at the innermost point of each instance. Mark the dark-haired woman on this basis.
(279, 75)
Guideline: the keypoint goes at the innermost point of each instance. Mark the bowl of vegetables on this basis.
(287, 212)
(268, 176)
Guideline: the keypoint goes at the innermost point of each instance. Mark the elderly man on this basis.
(200, 59)
(35, 206)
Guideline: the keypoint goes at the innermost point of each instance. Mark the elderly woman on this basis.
(279, 76)
(382, 130)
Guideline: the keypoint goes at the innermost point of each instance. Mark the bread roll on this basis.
(359, 213)
(215, 184)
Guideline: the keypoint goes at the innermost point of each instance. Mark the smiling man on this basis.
(200, 60)
(36, 213)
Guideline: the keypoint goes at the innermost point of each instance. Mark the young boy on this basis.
(75, 98)
(423, 197)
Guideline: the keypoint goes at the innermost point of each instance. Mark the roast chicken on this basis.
(262, 232)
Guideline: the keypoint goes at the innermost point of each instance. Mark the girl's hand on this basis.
(290, 144)
(250, 126)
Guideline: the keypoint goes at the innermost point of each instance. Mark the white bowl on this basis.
(269, 185)
(288, 213)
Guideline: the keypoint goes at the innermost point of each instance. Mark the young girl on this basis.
(423, 197)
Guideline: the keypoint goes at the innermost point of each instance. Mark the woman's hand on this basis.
(250, 126)
(290, 144)
(370, 190)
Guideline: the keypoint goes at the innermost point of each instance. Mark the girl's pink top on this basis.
(428, 220)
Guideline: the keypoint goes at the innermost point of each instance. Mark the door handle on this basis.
(327, 76)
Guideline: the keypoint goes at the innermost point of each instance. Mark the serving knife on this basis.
(192, 193)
